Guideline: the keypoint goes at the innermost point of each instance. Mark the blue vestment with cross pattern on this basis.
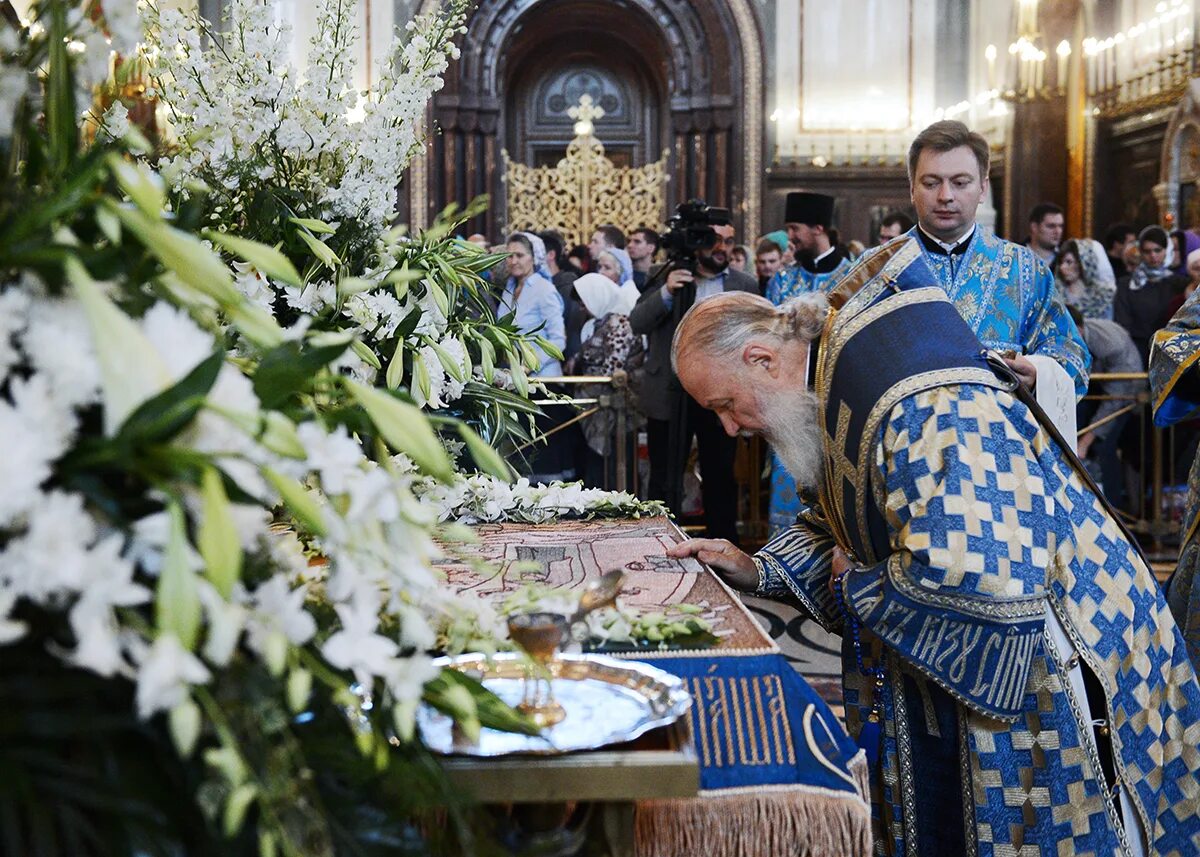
(970, 525)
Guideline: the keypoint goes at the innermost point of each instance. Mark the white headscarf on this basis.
(539, 254)
(601, 296)
(1096, 269)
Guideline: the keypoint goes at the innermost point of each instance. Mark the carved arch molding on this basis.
(704, 57)
(1178, 190)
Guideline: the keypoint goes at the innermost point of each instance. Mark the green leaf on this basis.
(299, 687)
(177, 603)
(529, 357)
(279, 435)
(439, 297)
(421, 381)
(299, 502)
(395, 370)
(453, 368)
(235, 808)
(369, 357)
(404, 275)
(404, 719)
(405, 429)
(349, 286)
(321, 250)
(519, 380)
(486, 458)
(217, 536)
(61, 130)
(140, 185)
(255, 323)
(289, 368)
(131, 370)
(487, 360)
(449, 690)
(267, 260)
(109, 225)
(160, 418)
(313, 225)
(549, 347)
(184, 722)
(182, 253)
(275, 652)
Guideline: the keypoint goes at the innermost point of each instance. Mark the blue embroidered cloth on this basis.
(755, 722)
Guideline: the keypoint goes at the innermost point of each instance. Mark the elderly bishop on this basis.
(1011, 668)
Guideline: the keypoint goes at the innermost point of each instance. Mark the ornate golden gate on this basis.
(584, 190)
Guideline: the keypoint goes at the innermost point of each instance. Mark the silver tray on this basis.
(607, 701)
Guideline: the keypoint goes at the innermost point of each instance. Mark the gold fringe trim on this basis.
(792, 821)
(862, 775)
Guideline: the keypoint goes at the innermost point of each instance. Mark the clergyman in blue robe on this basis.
(1011, 668)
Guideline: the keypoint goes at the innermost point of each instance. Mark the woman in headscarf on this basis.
(532, 297)
(615, 264)
(1144, 295)
(1085, 278)
(606, 340)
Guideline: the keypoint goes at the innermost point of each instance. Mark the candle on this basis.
(1039, 72)
(1064, 55)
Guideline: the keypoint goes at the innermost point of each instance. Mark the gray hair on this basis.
(722, 325)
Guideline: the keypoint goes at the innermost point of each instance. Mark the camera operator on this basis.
(697, 268)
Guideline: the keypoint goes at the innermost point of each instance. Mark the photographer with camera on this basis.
(697, 267)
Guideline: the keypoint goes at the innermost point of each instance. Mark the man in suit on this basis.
(655, 316)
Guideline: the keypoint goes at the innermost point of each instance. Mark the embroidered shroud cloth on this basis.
(778, 773)
(1175, 380)
(978, 541)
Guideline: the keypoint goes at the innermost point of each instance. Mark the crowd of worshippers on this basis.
(1059, 302)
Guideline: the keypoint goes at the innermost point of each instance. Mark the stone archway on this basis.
(705, 54)
(1178, 190)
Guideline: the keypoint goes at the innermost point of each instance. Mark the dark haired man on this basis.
(574, 314)
(820, 262)
(1046, 224)
(1116, 241)
(605, 238)
(643, 244)
(1004, 292)
(768, 259)
(894, 225)
(668, 432)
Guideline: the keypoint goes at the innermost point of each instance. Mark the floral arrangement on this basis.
(210, 370)
(480, 498)
(307, 164)
(158, 420)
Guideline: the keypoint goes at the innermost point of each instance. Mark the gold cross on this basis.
(586, 110)
(838, 468)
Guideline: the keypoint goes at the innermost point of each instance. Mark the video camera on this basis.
(691, 230)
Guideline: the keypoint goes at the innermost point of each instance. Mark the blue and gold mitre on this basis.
(891, 332)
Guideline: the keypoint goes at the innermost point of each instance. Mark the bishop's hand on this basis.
(1024, 368)
(838, 566)
(735, 566)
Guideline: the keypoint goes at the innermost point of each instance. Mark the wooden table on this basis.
(563, 801)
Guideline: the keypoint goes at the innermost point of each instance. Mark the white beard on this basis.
(790, 426)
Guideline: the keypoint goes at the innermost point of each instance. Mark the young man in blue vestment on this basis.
(1011, 668)
(1001, 289)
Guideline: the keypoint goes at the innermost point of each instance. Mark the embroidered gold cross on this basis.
(838, 468)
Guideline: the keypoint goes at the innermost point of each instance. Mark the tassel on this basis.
(870, 738)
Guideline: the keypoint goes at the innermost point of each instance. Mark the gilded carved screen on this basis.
(584, 190)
